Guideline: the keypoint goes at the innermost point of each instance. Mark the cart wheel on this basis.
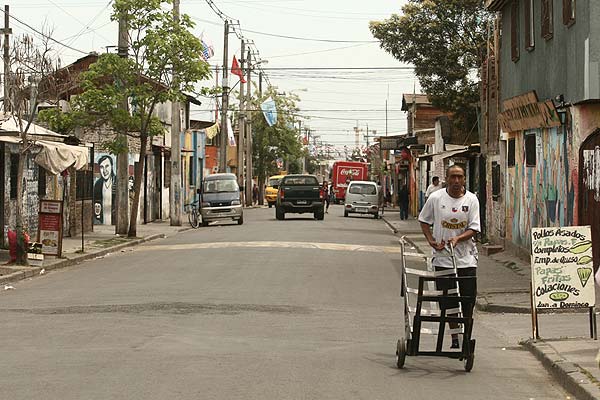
(400, 354)
(470, 359)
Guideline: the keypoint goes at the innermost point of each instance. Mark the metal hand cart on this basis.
(416, 313)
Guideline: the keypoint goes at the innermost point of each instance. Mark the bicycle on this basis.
(193, 214)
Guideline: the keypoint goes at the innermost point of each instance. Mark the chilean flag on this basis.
(236, 70)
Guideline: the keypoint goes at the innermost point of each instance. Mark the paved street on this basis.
(294, 309)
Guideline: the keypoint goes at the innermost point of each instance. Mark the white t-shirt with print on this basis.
(450, 217)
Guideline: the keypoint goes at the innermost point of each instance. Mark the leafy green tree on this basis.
(277, 141)
(159, 45)
(444, 41)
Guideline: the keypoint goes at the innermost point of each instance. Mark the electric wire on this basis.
(43, 34)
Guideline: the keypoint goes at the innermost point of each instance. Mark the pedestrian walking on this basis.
(326, 195)
(454, 215)
(255, 194)
(433, 187)
(403, 202)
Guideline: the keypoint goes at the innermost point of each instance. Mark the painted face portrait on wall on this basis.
(106, 167)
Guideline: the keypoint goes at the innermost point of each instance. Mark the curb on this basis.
(483, 305)
(29, 272)
(392, 227)
(570, 376)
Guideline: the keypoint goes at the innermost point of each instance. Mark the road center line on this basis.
(267, 244)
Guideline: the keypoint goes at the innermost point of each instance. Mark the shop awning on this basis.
(55, 157)
(443, 154)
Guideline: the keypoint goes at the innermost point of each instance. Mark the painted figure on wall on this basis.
(104, 192)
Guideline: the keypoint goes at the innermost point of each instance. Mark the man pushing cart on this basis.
(453, 214)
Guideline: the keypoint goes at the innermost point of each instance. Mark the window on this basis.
(84, 184)
(547, 14)
(511, 153)
(530, 157)
(514, 31)
(14, 167)
(568, 12)
(190, 171)
(496, 180)
(529, 25)
(42, 182)
(167, 170)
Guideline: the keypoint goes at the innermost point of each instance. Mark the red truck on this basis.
(344, 172)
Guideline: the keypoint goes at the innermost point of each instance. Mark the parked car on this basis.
(220, 199)
(363, 197)
(300, 194)
(272, 188)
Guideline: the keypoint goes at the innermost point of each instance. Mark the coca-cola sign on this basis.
(349, 172)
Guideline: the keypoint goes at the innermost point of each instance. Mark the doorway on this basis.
(589, 189)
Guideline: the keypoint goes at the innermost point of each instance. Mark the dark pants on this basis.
(467, 287)
(403, 211)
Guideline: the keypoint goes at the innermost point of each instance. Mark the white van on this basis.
(363, 197)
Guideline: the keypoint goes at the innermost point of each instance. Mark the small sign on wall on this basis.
(50, 227)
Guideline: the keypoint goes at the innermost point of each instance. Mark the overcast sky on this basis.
(296, 34)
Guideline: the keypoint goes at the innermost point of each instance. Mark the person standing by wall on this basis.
(454, 215)
(403, 202)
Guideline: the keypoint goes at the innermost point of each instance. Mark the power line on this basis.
(311, 39)
(43, 34)
(336, 68)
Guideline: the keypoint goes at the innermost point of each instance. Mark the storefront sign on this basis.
(562, 268)
(50, 227)
(526, 112)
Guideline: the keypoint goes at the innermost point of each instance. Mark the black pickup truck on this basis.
(299, 194)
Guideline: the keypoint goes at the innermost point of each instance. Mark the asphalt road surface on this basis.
(293, 309)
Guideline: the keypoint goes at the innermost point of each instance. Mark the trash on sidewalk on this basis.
(9, 287)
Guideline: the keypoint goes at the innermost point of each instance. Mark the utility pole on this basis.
(260, 84)
(241, 124)
(224, 104)
(7, 31)
(248, 134)
(122, 173)
(175, 186)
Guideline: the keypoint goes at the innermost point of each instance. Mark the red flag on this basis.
(236, 70)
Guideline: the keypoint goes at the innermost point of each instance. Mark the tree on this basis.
(277, 141)
(443, 40)
(159, 46)
(28, 65)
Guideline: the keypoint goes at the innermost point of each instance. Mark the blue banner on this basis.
(269, 111)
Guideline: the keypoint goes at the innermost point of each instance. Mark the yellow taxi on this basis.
(272, 187)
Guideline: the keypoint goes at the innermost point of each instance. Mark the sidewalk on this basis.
(95, 244)
(503, 287)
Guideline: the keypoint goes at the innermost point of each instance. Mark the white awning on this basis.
(55, 157)
(444, 154)
(9, 124)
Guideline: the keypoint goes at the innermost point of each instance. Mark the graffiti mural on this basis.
(105, 188)
(544, 194)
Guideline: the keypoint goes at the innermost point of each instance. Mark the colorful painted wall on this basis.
(545, 194)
